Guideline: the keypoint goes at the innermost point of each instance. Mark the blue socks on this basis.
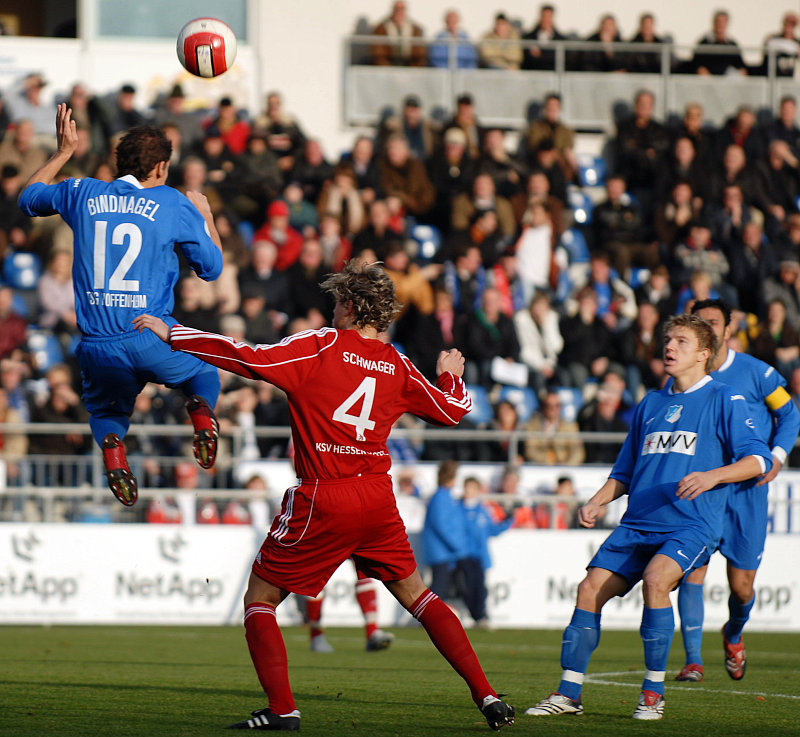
(738, 615)
(577, 645)
(658, 627)
(691, 608)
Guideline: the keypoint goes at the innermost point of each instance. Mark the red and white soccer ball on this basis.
(206, 47)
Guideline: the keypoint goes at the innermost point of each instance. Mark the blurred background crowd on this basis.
(551, 270)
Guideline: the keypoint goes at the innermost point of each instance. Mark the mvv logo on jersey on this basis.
(670, 442)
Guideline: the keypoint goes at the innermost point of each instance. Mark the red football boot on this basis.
(206, 431)
(120, 479)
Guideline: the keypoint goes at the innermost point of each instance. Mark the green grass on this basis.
(154, 681)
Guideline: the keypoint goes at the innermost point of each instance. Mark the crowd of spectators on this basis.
(480, 237)
(509, 45)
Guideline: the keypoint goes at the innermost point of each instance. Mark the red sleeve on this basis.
(285, 364)
(443, 404)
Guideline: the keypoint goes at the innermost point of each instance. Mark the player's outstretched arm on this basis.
(694, 484)
(590, 512)
(450, 361)
(67, 136)
(156, 324)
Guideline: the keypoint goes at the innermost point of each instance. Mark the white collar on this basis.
(726, 364)
(694, 387)
(130, 179)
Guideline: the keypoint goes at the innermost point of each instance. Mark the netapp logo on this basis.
(167, 587)
(43, 588)
(23, 547)
(678, 441)
(170, 547)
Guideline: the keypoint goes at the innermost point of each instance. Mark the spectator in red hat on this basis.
(278, 231)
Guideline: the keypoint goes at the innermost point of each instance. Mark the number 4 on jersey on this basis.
(365, 389)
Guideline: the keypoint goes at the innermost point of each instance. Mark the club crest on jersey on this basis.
(674, 413)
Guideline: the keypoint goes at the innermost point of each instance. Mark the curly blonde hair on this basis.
(371, 291)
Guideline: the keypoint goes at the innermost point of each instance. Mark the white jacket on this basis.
(539, 347)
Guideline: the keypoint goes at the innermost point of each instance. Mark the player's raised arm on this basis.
(200, 201)
(67, 136)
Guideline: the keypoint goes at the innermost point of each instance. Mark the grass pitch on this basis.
(175, 681)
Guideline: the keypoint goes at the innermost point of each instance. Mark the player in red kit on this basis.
(345, 388)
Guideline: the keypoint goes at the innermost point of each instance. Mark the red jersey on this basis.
(345, 393)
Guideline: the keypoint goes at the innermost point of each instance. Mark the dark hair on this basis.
(140, 149)
(371, 291)
(713, 304)
(447, 472)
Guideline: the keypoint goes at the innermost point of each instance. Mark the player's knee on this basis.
(589, 595)
(742, 584)
(657, 583)
(743, 591)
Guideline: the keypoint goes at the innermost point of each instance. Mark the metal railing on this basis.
(88, 468)
(592, 101)
(52, 483)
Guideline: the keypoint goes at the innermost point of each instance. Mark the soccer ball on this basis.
(206, 47)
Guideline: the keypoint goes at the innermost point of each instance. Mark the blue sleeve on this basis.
(39, 200)
(785, 415)
(495, 528)
(738, 430)
(195, 243)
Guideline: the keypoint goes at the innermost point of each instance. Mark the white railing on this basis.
(591, 100)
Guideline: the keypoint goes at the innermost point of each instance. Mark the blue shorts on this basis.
(115, 370)
(744, 529)
(627, 551)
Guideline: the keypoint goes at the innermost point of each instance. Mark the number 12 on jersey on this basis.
(365, 391)
(117, 282)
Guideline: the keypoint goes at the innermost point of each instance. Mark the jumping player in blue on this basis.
(777, 420)
(125, 233)
(687, 446)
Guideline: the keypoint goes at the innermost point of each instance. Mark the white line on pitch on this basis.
(599, 678)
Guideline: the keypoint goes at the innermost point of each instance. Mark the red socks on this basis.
(314, 614)
(269, 656)
(367, 598)
(450, 640)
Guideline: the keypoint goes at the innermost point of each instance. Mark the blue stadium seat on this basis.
(482, 411)
(574, 242)
(581, 205)
(592, 170)
(22, 270)
(20, 305)
(523, 398)
(639, 276)
(246, 231)
(429, 239)
(571, 402)
(44, 349)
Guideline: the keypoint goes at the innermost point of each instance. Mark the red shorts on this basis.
(323, 523)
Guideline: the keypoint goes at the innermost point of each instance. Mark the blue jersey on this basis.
(672, 435)
(124, 254)
(776, 417)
